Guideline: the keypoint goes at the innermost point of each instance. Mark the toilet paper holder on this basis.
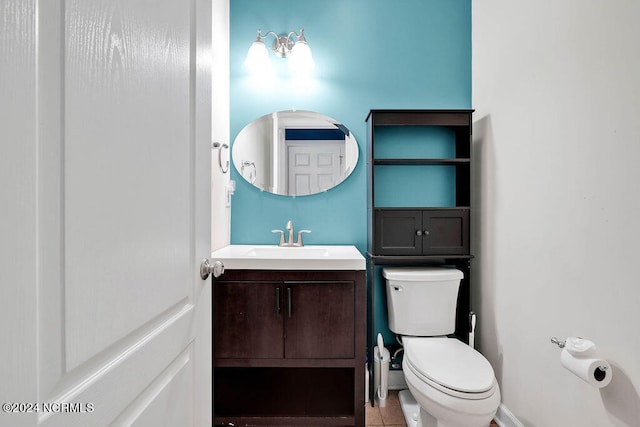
(577, 346)
(600, 372)
(579, 357)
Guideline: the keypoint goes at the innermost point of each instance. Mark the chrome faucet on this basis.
(290, 242)
(290, 230)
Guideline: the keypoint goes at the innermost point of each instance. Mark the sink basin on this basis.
(270, 257)
(305, 252)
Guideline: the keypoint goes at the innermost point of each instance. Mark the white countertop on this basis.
(273, 257)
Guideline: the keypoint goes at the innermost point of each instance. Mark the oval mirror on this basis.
(295, 153)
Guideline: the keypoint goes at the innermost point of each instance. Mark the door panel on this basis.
(115, 320)
(119, 131)
(158, 397)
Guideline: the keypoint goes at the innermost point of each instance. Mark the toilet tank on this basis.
(422, 301)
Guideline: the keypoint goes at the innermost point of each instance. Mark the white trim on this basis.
(505, 418)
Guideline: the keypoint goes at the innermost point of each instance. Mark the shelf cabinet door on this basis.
(321, 323)
(247, 323)
(446, 232)
(398, 232)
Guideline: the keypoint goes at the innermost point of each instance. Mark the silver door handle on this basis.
(217, 269)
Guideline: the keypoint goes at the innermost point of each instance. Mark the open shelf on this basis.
(411, 161)
(278, 392)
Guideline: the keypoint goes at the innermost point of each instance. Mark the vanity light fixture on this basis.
(284, 46)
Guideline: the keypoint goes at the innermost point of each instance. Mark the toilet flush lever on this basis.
(557, 342)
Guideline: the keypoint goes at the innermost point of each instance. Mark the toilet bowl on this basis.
(453, 383)
(450, 384)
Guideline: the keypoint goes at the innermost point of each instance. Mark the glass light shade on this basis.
(257, 57)
(300, 58)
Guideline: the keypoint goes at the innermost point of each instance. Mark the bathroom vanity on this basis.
(290, 341)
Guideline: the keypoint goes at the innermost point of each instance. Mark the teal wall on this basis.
(369, 54)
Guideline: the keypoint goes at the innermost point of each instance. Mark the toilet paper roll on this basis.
(596, 372)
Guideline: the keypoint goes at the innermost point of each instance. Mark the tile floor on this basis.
(391, 415)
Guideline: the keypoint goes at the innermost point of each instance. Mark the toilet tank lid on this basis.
(422, 274)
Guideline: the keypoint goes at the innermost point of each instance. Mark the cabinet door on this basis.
(446, 232)
(247, 320)
(319, 320)
(398, 232)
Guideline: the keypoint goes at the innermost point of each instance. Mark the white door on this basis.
(105, 124)
(314, 166)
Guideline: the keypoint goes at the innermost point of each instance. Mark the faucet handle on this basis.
(281, 236)
(300, 237)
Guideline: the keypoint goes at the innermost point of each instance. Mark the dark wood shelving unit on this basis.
(403, 234)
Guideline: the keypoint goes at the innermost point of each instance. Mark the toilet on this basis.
(450, 384)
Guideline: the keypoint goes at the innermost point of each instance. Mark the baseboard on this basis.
(505, 418)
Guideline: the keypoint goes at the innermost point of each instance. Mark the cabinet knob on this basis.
(419, 233)
(422, 233)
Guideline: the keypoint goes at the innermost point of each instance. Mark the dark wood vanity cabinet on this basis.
(289, 347)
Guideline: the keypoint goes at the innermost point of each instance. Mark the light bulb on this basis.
(257, 57)
(300, 58)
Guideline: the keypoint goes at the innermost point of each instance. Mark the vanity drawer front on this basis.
(321, 324)
(247, 323)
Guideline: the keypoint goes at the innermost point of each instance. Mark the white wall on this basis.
(220, 212)
(557, 144)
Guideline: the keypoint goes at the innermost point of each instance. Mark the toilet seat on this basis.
(450, 366)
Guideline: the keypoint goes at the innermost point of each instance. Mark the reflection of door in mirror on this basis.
(314, 159)
(314, 167)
